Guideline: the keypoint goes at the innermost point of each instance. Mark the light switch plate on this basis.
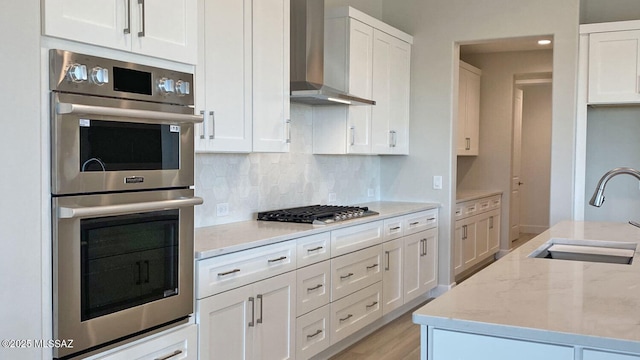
(437, 182)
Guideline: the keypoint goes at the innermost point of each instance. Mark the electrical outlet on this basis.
(437, 182)
(332, 197)
(222, 209)
(371, 192)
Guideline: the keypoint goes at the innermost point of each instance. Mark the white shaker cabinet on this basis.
(161, 28)
(420, 263)
(223, 76)
(392, 275)
(259, 321)
(468, 109)
(366, 58)
(181, 344)
(614, 67)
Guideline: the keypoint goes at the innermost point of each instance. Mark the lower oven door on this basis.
(123, 265)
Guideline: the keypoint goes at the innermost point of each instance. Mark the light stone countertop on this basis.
(556, 301)
(222, 239)
(466, 195)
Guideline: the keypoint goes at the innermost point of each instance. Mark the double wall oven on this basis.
(122, 155)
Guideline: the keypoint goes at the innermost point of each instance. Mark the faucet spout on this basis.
(598, 196)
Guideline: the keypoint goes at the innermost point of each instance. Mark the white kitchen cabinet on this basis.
(364, 57)
(614, 67)
(356, 237)
(313, 332)
(271, 112)
(181, 344)
(161, 28)
(256, 321)
(314, 287)
(420, 263)
(392, 276)
(223, 76)
(355, 311)
(468, 110)
(446, 345)
(354, 271)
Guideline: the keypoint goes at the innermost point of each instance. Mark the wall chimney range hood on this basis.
(307, 58)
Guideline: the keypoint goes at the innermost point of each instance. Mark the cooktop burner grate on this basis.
(316, 214)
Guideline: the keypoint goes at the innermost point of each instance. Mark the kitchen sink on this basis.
(586, 250)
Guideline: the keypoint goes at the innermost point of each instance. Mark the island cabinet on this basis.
(468, 110)
(476, 232)
(367, 58)
(242, 77)
(160, 28)
(614, 67)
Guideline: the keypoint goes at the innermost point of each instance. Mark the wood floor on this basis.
(398, 340)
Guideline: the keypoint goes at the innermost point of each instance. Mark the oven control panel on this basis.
(92, 75)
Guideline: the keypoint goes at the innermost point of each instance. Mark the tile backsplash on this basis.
(254, 182)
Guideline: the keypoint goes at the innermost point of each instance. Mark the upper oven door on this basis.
(103, 144)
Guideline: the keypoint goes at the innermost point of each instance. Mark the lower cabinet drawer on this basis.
(355, 311)
(355, 271)
(313, 286)
(181, 344)
(313, 333)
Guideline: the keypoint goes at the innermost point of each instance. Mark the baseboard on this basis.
(533, 229)
(441, 289)
(502, 253)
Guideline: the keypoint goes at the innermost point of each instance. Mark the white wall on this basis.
(595, 11)
(437, 26)
(491, 170)
(22, 208)
(369, 7)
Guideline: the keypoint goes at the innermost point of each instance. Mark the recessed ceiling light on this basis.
(544, 42)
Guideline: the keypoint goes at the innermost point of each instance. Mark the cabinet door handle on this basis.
(288, 124)
(346, 318)
(353, 135)
(201, 126)
(393, 138)
(315, 249)
(371, 305)
(386, 268)
(346, 276)
(372, 266)
(424, 247)
(127, 5)
(175, 353)
(491, 222)
(464, 232)
(139, 281)
(212, 117)
(318, 332)
(468, 140)
(314, 288)
(278, 259)
(229, 272)
(141, 32)
(259, 297)
(253, 311)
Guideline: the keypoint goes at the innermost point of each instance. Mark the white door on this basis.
(166, 29)
(271, 118)
(103, 22)
(275, 318)
(392, 275)
(514, 203)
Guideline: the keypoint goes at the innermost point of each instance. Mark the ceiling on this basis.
(504, 45)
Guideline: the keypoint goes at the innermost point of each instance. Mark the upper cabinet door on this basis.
(161, 28)
(614, 61)
(468, 110)
(104, 22)
(360, 59)
(271, 119)
(165, 28)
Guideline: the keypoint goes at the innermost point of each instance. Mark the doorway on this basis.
(502, 62)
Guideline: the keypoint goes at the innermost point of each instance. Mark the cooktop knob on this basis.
(77, 72)
(99, 76)
(183, 87)
(166, 86)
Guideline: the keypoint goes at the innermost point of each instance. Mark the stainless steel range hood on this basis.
(307, 58)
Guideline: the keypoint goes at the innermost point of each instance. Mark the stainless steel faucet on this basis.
(598, 196)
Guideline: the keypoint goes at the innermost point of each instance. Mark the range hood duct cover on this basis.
(307, 58)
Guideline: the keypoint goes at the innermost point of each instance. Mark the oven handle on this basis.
(69, 108)
(107, 210)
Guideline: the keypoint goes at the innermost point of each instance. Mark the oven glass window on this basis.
(114, 146)
(127, 261)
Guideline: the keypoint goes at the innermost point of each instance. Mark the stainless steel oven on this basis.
(123, 208)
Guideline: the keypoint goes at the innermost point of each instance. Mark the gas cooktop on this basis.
(316, 214)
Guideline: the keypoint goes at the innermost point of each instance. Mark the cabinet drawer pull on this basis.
(395, 228)
(372, 266)
(346, 318)
(175, 353)
(229, 272)
(318, 332)
(414, 223)
(346, 276)
(278, 259)
(314, 288)
(315, 249)
(431, 219)
(372, 304)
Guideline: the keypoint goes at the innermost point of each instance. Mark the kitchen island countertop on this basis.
(589, 304)
(222, 239)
